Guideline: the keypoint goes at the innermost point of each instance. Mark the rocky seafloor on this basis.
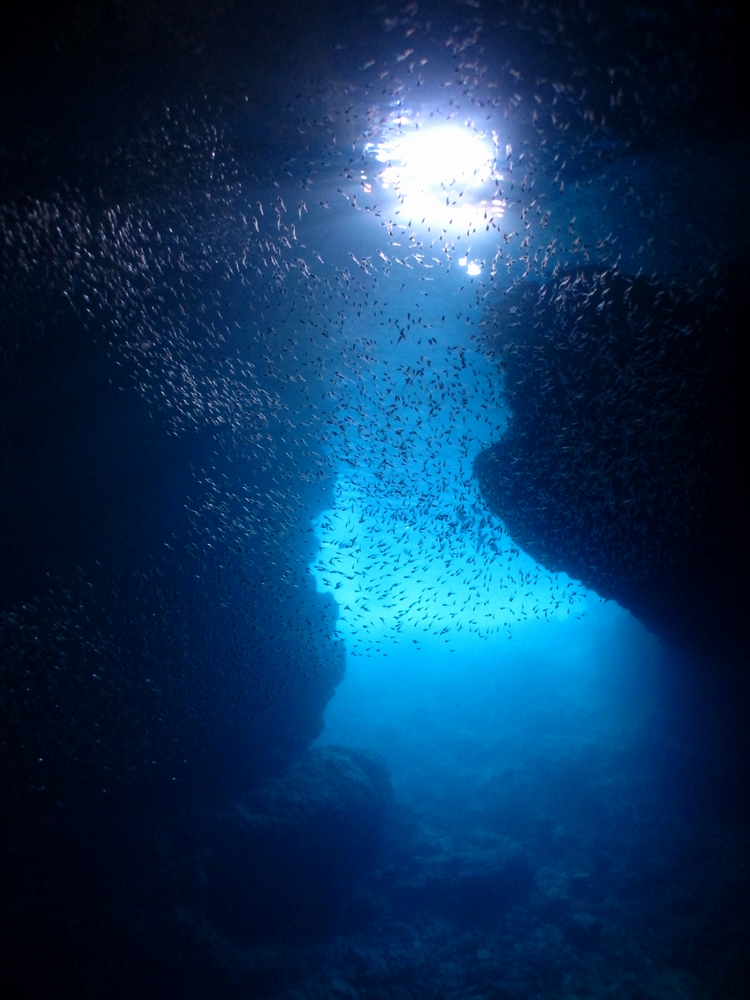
(609, 862)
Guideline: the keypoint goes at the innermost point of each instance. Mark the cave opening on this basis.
(373, 425)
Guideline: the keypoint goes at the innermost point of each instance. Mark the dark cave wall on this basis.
(162, 645)
(625, 460)
(157, 618)
(170, 661)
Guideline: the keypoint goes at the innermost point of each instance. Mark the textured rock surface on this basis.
(625, 461)
(473, 886)
(153, 583)
(281, 859)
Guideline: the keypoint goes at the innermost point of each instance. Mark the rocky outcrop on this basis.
(282, 859)
(474, 886)
(153, 582)
(625, 462)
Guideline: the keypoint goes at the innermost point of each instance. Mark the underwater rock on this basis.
(584, 930)
(624, 464)
(143, 602)
(473, 887)
(282, 858)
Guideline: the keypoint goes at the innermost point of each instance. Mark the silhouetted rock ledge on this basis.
(625, 463)
(473, 886)
(282, 858)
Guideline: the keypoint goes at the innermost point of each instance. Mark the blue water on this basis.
(287, 710)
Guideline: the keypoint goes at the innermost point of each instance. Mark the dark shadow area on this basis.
(625, 463)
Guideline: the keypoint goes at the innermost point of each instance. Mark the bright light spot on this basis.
(446, 174)
(439, 157)
(473, 267)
